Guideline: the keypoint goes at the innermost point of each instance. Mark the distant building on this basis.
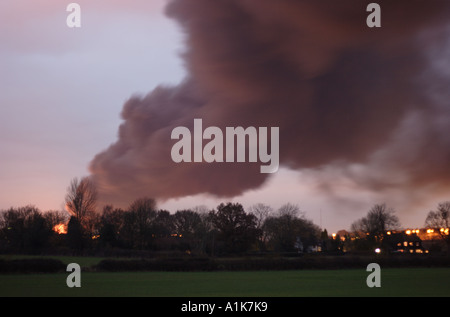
(407, 241)
(434, 239)
(402, 242)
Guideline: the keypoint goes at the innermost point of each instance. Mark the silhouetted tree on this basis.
(206, 231)
(76, 238)
(236, 229)
(12, 228)
(372, 228)
(291, 210)
(261, 212)
(279, 234)
(25, 229)
(186, 223)
(81, 198)
(163, 224)
(111, 223)
(440, 219)
(284, 232)
(190, 226)
(37, 231)
(138, 221)
(379, 219)
(56, 217)
(324, 240)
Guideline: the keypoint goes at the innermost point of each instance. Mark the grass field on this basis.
(394, 282)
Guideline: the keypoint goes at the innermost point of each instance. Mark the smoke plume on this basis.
(342, 94)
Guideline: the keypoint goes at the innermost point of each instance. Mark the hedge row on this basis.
(49, 265)
(254, 264)
(38, 265)
(171, 264)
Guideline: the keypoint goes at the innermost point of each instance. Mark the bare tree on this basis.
(379, 219)
(81, 198)
(186, 223)
(55, 217)
(236, 228)
(290, 210)
(261, 212)
(440, 219)
(285, 231)
(139, 223)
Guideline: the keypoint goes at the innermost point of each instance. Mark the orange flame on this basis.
(60, 228)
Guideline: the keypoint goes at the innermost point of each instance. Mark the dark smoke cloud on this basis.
(340, 92)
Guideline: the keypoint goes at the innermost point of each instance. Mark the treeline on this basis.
(27, 229)
(225, 230)
(142, 228)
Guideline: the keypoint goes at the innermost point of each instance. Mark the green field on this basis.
(394, 282)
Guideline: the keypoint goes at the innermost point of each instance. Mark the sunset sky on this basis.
(364, 114)
(63, 89)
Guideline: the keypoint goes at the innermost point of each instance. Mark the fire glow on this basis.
(60, 228)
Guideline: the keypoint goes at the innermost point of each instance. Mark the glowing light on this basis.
(377, 250)
(408, 231)
(60, 228)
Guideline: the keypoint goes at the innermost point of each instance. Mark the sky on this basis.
(62, 89)
(363, 113)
